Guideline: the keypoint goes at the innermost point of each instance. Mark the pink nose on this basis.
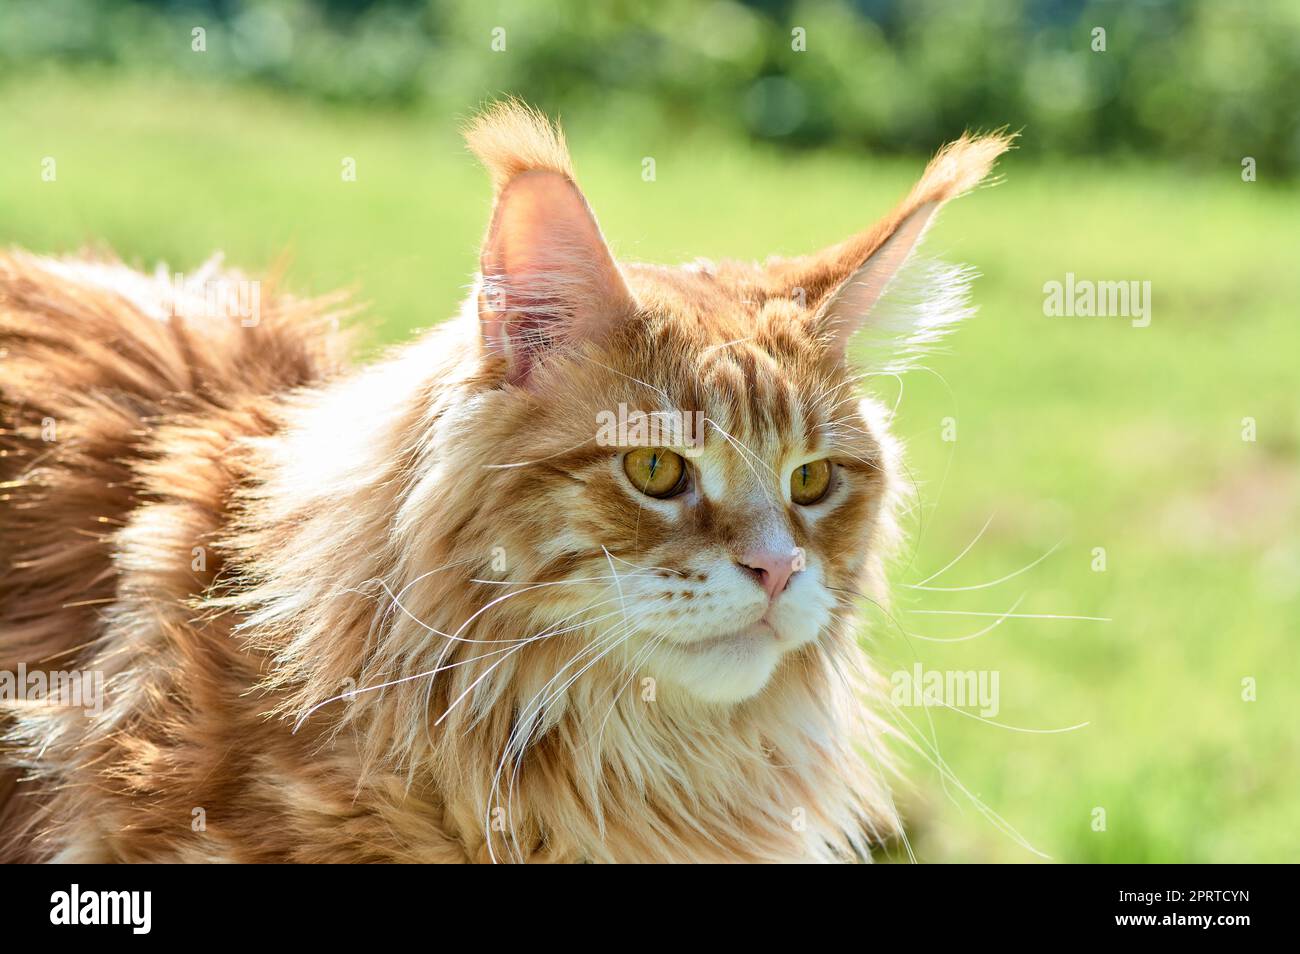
(770, 569)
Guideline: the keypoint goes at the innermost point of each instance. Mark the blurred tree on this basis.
(1203, 80)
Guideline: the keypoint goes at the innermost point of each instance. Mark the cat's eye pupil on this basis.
(655, 472)
(810, 482)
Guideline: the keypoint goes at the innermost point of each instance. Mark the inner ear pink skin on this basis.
(548, 276)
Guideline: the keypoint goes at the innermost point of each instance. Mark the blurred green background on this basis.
(1085, 432)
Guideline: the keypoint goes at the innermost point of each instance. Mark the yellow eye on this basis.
(810, 481)
(654, 471)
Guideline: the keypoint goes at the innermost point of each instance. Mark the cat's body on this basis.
(249, 540)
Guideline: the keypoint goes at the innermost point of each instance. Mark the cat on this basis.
(415, 611)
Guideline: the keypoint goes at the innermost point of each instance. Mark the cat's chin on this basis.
(725, 669)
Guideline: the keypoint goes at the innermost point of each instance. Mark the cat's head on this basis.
(683, 451)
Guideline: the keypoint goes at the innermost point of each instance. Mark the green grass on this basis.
(1086, 431)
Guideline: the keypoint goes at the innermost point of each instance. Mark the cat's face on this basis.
(700, 482)
(720, 498)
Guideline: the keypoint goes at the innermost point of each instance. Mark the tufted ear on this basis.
(548, 278)
(843, 284)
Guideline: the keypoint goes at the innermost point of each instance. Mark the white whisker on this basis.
(940, 765)
(1003, 725)
(1091, 619)
(745, 450)
(516, 743)
(983, 586)
(958, 557)
(539, 460)
(987, 629)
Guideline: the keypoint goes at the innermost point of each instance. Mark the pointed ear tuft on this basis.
(511, 138)
(548, 278)
(960, 166)
(844, 283)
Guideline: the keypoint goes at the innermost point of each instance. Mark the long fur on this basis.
(373, 614)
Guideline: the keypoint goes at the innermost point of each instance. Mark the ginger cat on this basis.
(441, 608)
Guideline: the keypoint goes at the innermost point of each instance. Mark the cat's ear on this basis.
(549, 279)
(842, 285)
